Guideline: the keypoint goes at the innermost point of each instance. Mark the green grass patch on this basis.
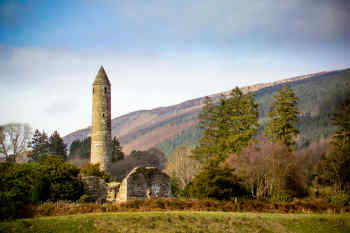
(182, 221)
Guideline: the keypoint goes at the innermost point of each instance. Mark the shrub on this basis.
(218, 183)
(21, 184)
(30, 183)
(85, 199)
(62, 177)
(174, 183)
(186, 192)
(340, 199)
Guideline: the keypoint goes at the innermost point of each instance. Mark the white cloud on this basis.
(182, 49)
(51, 89)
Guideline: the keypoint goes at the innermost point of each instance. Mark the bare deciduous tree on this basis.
(182, 166)
(270, 171)
(14, 138)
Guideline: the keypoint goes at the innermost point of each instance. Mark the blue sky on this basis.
(156, 52)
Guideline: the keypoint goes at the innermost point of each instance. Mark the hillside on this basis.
(168, 127)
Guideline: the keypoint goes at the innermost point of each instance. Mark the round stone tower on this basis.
(101, 121)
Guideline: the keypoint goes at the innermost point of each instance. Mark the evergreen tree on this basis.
(117, 153)
(62, 179)
(74, 146)
(39, 146)
(228, 126)
(80, 149)
(336, 167)
(206, 144)
(341, 120)
(283, 117)
(57, 146)
(85, 149)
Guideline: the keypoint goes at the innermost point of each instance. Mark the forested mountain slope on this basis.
(168, 127)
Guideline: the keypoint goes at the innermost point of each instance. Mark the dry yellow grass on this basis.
(185, 221)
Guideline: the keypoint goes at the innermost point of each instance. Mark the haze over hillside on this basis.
(168, 127)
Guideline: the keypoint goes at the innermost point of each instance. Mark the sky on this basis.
(156, 52)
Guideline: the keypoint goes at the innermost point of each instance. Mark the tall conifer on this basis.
(117, 153)
(283, 118)
(57, 146)
(341, 120)
(337, 165)
(39, 146)
(227, 126)
(206, 144)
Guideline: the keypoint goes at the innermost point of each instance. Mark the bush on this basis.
(29, 183)
(218, 183)
(186, 192)
(340, 199)
(21, 184)
(63, 180)
(85, 199)
(174, 183)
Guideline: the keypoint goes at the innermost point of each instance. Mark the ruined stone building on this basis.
(140, 183)
(144, 182)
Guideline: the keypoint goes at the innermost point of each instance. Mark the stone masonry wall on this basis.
(95, 188)
(144, 182)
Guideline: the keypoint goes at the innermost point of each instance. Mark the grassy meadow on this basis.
(182, 221)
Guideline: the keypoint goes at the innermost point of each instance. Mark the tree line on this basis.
(41, 146)
(230, 161)
(82, 149)
(233, 162)
(17, 139)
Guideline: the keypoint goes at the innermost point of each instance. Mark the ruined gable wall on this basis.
(144, 182)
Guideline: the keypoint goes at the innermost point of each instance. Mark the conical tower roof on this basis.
(101, 78)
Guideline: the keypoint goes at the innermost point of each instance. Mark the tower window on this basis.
(93, 90)
(103, 115)
(105, 89)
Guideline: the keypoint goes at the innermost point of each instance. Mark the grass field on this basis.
(185, 221)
